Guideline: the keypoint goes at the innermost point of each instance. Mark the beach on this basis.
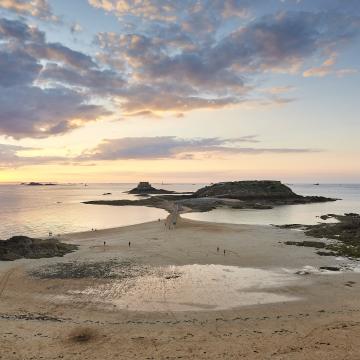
(159, 293)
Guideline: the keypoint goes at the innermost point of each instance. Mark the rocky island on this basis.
(33, 183)
(253, 194)
(145, 188)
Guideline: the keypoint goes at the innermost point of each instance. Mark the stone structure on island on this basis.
(144, 187)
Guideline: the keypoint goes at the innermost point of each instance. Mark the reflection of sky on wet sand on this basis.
(194, 288)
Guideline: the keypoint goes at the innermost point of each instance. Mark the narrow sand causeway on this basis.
(196, 291)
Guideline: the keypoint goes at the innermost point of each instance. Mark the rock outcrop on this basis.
(33, 183)
(145, 187)
(19, 247)
(344, 235)
(262, 191)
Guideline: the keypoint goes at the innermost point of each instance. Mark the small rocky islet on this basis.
(34, 183)
(144, 187)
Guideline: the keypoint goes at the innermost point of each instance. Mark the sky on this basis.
(179, 91)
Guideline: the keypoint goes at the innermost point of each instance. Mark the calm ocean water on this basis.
(36, 210)
(292, 214)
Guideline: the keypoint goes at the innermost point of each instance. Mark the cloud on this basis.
(167, 58)
(76, 28)
(60, 53)
(164, 147)
(95, 80)
(31, 110)
(10, 158)
(327, 68)
(191, 12)
(17, 68)
(35, 112)
(174, 67)
(346, 72)
(143, 113)
(278, 90)
(145, 148)
(16, 30)
(36, 8)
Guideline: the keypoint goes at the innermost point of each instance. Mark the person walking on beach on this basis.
(129, 243)
(217, 249)
(224, 252)
(104, 243)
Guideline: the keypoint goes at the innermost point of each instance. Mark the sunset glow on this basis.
(117, 91)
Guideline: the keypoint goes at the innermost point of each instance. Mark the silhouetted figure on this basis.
(217, 249)
(224, 252)
(104, 243)
(129, 243)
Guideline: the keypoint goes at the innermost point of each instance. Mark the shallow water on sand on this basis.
(37, 210)
(193, 288)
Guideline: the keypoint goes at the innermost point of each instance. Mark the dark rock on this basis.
(147, 201)
(264, 192)
(326, 253)
(346, 232)
(246, 190)
(145, 187)
(325, 217)
(330, 268)
(354, 215)
(19, 247)
(290, 226)
(32, 183)
(315, 244)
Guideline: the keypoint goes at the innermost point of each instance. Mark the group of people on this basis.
(171, 220)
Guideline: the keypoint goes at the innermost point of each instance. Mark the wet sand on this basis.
(173, 295)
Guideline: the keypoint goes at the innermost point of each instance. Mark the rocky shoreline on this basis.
(19, 247)
(344, 235)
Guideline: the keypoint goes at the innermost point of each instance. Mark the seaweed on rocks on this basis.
(345, 233)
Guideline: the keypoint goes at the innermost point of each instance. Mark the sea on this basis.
(38, 210)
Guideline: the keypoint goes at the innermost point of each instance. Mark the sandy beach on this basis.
(175, 294)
